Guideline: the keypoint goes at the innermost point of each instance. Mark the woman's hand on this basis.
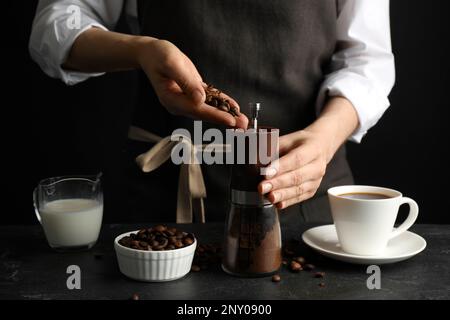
(304, 155)
(177, 83)
(297, 175)
(179, 86)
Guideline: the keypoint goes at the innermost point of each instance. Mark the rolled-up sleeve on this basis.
(362, 67)
(52, 36)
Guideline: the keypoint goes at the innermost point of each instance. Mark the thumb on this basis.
(189, 84)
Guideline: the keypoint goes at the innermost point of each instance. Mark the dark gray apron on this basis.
(273, 52)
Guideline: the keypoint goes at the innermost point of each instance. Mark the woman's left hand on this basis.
(297, 175)
(304, 155)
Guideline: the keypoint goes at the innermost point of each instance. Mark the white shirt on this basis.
(362, 68)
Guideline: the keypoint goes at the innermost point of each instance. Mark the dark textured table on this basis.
(29, 269)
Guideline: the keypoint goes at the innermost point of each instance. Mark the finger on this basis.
(284, 194)
(287, 142)
(292, 178)
(296, 158)
(180, 104)
(188, 79)
(241, 119)
(211, 114)
(292, 201)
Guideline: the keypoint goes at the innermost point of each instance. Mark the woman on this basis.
(323, 70)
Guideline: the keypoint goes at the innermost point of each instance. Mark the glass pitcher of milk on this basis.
(70, 209)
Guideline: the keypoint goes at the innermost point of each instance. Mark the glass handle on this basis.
(36, 205)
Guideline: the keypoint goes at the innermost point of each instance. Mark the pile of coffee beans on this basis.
(295, 264)
(214, 99)
(206, 255)
(157, 238)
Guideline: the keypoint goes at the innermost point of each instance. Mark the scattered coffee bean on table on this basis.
(135, 296)
(158, 238)
(207, 255)
(295, 266)
(308, 267)
(300, 260)
(319, 274)
(276, 278)
(195, 268)
(214, 99)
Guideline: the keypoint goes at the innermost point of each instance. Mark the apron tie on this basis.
(191, 186)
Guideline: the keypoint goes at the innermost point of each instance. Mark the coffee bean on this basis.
(179, 244)
(169, 233)
(162, 244)
(170, 247)
(188, 241)
(98, 256)
(173, 230)
(125, 241)
(284, 262)
(295, 266)
(172, 240)
(308, 267)
(135, 296)
(195, 268)
(142, 236)
(143, 244)
(319, 274)
(200, 249)
(300, 260)
(321, 284)
(135, 243)
(160, 228)
(179, 235)
(214, 98)
(154, 244)
(276, 278)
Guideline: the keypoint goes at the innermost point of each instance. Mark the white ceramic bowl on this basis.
(154, 266)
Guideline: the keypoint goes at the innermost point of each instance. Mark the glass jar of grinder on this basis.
(252, 233)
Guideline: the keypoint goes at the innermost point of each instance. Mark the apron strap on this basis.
(191, 186)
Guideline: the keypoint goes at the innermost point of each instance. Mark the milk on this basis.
(72, 222)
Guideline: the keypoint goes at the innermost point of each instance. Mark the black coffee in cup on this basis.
(364, 196)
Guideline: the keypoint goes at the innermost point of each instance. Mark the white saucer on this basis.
(324, 240)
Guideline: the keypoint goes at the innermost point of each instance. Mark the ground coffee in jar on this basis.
(252, 234)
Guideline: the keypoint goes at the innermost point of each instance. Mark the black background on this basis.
(50, 129)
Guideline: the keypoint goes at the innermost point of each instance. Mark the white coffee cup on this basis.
(365, 226)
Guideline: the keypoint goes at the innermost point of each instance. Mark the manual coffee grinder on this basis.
(252, 233)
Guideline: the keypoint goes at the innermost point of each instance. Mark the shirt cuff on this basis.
(54, 49)
(368, 103)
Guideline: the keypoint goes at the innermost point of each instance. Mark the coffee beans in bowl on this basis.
(158, 238)
(155, 254)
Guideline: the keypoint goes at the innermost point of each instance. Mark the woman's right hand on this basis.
(179, 86)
